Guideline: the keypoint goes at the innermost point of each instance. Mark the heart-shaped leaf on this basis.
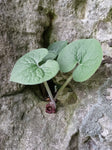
(86, 54)
(28, 71)
(54, 49)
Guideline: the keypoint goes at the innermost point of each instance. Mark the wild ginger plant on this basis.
(83, 57)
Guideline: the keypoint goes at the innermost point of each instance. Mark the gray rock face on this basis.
(84, 117)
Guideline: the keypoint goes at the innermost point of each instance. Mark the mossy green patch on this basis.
(79, 7)
(109, 16)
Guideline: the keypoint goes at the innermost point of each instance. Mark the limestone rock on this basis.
(83, 122)
(22, 26)
(82, 19)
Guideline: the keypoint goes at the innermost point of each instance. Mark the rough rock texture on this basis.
(82, 122)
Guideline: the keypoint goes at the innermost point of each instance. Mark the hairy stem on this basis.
(63, 86)
(49, 93)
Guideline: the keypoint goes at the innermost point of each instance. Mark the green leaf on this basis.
(54, 49)
(28, 70)
(86, 53)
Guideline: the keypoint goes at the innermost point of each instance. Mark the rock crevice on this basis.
(82, 124)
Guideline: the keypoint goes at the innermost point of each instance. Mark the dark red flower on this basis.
(50, 108)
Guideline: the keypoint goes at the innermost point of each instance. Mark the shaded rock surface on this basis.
(84, 117)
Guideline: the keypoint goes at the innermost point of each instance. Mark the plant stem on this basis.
(63, 86)
(49, 93)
